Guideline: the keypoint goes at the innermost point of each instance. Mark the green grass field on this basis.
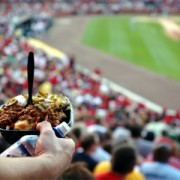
(144, 43)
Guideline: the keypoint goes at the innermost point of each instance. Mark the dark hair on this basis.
(108, 147)
(87, 141)
(148, 135)
(164, 133)
(77, 171)
(135, 131)
(123, 160)
(162, 153)
(77, 132)
(98, 121)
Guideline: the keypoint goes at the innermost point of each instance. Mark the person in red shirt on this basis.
(123, 162)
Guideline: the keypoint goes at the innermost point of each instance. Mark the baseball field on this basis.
(150, 42)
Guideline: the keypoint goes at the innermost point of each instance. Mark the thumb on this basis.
(44, 126)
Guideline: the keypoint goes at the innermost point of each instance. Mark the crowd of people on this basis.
(104, 119)
(83, 7)
(115, 137)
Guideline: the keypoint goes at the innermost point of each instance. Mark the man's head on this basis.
(135, 131)
(89, 142)
(162, 153)
(77, 171)
(123, 160)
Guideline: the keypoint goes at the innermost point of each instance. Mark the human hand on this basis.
(58, 150)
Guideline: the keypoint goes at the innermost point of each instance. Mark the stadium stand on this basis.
(112, 117)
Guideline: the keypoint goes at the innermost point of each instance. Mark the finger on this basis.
(44, 126)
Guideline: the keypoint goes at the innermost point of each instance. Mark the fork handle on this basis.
(30, 69)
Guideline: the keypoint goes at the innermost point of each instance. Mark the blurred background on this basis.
(116, 60)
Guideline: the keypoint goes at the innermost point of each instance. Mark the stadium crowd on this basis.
(82, 7)
(116, 138)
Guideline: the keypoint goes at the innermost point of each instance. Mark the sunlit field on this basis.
(142, 42)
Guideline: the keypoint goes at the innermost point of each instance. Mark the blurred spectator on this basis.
(77, 171)
(148, 135)
(104, 137)
(97, 127)
(72, 63)
(119, 141)
(164, 139)
(159, 169)
(174, 160)
(77, 132)
(143, 146)
(89, 144)
(121, 132)
(100, 154)
(121, 166)
(157, 128)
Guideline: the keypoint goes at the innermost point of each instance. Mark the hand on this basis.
(59, 150)
(53, 155)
